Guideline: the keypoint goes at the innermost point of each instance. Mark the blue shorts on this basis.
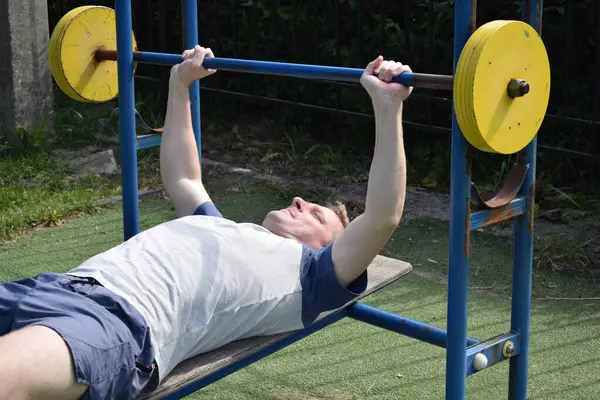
(109, 340)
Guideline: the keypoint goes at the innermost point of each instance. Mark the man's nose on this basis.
(299, 203)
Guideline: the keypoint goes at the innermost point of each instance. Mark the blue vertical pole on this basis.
(523, 249)
(129, 179)
(190, 27)
(458, 274)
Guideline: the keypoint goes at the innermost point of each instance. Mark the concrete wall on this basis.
(25, 78)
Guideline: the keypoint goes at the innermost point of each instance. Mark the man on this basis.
(116, 325)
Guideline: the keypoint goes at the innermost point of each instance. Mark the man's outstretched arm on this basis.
(364, 237)
(179, 159)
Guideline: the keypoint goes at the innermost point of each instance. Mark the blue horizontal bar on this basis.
(193, 386)
(149, 57)
(319, 72)
(147, 141)
(400, 324)
(492, 349)
(480, 219)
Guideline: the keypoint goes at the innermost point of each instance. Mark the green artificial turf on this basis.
(352, 360)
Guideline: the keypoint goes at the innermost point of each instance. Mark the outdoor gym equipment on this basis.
(501, 86)
(501, 89)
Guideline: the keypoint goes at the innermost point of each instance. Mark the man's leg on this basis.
(67, 337)
(37, 364)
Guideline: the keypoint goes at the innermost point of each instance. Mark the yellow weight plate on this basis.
(79, 34)
(56, 72)
(495, 54)
(54, 52)
(463, 91)
(464, 82)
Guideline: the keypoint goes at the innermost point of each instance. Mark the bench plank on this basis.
(381, 272)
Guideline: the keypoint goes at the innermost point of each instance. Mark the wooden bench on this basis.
(381, 272)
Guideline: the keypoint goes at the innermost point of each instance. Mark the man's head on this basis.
(308, 223)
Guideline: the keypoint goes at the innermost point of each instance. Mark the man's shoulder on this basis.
(209, 209)
(316, 260)
(321, 288)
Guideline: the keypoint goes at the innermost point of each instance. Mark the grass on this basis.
(39, 189)
(351, 360)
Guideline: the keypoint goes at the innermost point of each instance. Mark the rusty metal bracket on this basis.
(508, 192)
(145, 125)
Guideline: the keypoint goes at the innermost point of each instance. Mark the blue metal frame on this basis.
(483, 218)
(523, 246)
(148, 141)
(461, 349)
(190, 27)
(401, 324)
(460, 210)
(492, 349)
(129, 177)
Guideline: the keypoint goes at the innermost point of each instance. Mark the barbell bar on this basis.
(305, 71)
(515, 88)
(501, 84)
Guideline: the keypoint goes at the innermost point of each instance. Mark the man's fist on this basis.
(377, 80)
(191, 68)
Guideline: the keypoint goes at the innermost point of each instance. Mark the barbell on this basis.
(501, 84)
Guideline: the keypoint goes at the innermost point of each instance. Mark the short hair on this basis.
(340, 210)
